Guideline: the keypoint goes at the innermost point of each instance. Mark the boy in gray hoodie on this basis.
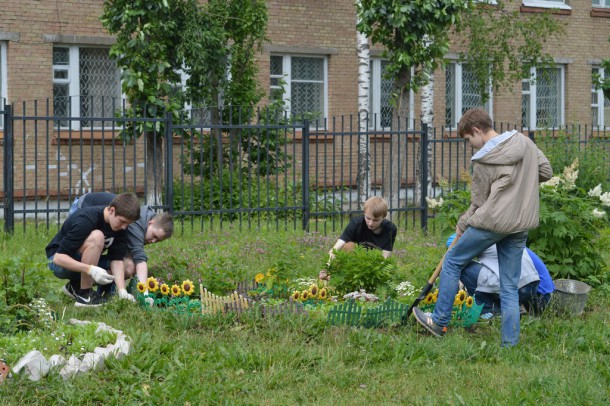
(507, 171)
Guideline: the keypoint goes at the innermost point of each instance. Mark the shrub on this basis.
(361, 268)
(567, 238)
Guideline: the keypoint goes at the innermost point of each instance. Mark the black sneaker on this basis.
(425, 319)
(88, 298)
(106, 290)
(70, 290)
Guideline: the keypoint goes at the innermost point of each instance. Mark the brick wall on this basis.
(299, 27)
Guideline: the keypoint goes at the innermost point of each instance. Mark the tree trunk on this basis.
(397, 156)
(153, 183)
(364, 167)
(427, 116)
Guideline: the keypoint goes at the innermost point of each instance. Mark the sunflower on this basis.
(259, 277)
(152, 284)
(435, 296)
(469, 301)
(460, 298)
(322, 294)
(175, 290)
(187, 287)
(314, 290)
(296, 295)
(141, 287)
(164, 289)
(428, 299)
(305, 295)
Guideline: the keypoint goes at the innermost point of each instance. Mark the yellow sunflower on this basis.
(469, 301)
(152, 284)
(435, 296)
(314, 290)
(322, 294)
(164, 289)
(460, 298)
(428, 299)
(141, 287)
(296, 295)
(305, 295)
(187, 287)
(259, 277)
(175, 290)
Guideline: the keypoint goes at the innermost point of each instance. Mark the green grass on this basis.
(178, 360)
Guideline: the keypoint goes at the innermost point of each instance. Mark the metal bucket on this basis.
(570, 296)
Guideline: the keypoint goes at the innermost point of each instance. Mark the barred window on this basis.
(86, 84)
(542, 98)
(302, 79)
(600, 105)
(461, 93)
(380, 95)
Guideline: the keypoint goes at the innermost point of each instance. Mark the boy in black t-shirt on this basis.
(75, 253)
(370, 230)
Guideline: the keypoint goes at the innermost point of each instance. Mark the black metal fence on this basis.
(243, 167)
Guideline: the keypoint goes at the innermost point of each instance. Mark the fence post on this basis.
(305, 174)
(9, 175)
(169, 162)
(424, 176)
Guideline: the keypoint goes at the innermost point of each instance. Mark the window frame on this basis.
(286, 77)
(600, 106)
(374, 107)
(533, 96)
(73, 81)
(3, 79)
(458, 99)
(602, 4)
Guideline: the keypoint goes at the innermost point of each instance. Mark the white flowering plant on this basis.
(568, 238)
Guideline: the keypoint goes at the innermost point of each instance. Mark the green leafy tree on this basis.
(147, 32)
(214, 44)
(604, 83)
(414, 34)
(501, 42)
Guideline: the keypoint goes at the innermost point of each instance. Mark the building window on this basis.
(86, 84)
(542, 98)
(303, 82)
(559, 4)
(601, 3)
(461, 93)
(600, 105)
(3, 76)
(380, 95)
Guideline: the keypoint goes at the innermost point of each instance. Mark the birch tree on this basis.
(364, 157)
(414, 35)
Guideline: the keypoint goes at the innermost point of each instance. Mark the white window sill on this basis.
(547, 4)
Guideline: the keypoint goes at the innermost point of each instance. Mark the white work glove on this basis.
(100, 275)
(149, 301)
(127, 296)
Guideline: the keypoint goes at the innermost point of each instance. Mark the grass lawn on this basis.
(181, 360)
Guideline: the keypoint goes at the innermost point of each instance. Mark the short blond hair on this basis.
(377, 205)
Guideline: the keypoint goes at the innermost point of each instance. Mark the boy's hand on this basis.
(123, 294)
(324, 275)
(100, 275)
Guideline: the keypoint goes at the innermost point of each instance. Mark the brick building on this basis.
(56, 54)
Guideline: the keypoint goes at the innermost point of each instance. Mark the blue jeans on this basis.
(74, 276)
(528, 295)
(510, 251)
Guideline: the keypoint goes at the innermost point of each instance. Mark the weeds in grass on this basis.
(216, 359)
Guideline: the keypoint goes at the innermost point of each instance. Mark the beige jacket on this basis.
(507, 172)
